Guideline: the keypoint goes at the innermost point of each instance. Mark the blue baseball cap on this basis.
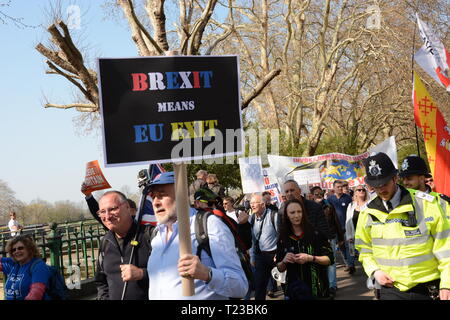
(163, 178)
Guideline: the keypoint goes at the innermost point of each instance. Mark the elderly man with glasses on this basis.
(265, 234)
(113, 268)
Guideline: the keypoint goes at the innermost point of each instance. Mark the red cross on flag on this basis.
(436, 134)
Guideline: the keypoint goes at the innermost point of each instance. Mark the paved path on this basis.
(353, 287)
(350, 287)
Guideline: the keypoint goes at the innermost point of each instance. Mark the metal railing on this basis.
(70, 247)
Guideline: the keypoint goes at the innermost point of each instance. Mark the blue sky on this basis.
(42, 154)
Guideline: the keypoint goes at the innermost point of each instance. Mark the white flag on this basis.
(432, 56)
(389, 147)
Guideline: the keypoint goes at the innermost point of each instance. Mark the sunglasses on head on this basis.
(17, 248)
(362, 190)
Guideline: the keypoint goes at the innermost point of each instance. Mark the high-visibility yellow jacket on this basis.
(444, 201)
(409, 254)
(441, 199)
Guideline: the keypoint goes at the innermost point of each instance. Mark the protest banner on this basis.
(308, 176)
(332, 166)
(169, 109)
(94, 178)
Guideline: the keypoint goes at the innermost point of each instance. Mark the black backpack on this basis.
(56, 289)
(201, 234)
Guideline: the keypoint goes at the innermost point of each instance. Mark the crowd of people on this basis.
(399, 232)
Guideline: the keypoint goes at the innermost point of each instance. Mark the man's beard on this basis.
(168, 218)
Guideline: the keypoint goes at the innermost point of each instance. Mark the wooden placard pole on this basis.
(182, 199)
(184, 231)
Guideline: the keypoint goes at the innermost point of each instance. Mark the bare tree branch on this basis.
(68, 77)
(138, 30)
(54, 57)
(81, 107)
(199, 28)
(218, 40)
(155, 10)
(71, 59)
(259, 88)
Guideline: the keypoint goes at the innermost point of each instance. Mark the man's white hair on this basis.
(201, 173)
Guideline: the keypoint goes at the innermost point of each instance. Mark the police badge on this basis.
(405, 165)
(374, 168)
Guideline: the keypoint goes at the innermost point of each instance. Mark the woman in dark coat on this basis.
(304, 253)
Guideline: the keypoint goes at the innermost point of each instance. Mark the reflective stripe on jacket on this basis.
(409, 254)
(445, 204)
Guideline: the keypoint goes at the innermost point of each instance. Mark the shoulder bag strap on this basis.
(201, 232)
(262, 225)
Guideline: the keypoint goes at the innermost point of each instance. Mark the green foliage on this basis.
(337, 143)
(40, 212)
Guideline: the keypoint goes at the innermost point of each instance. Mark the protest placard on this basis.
(169, 109)
(271, 185)
(94, 178)
(252, 178)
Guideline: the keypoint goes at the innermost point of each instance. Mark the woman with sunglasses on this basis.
(360, 199)
(26, 273)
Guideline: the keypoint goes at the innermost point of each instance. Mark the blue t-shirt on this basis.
(19, 278)
(341, 205)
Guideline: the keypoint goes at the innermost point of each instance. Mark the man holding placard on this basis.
(215, 278)
(153, 110)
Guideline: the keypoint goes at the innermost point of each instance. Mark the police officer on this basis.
(403, 239)
(414, 173)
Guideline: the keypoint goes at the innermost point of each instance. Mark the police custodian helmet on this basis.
(379, 169)
(414, 165)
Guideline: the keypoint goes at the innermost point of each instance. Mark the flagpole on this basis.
(412, 75)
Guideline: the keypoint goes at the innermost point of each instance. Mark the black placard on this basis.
(145, 100)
